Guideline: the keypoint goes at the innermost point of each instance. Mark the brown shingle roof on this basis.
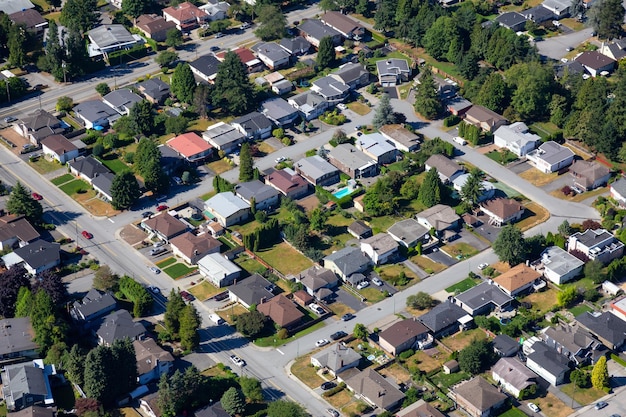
(151, 23)
(479, 393)
(340, 21)
(403, 331)
(58, 144)
(502, 207)
(594, 59)
(147, 353)
(517, 277)
(588, 171)
(284, 181)
(17, 226)
(190, 245)
(166, 224)
(281, 310)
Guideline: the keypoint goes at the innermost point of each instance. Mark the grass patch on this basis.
(463, 339)
(231, 312)
(62, 179)
(397, 373)
(251, 265)
(247, 228)
(552, 406)
(538, 178)
(503, 156)
(205, 290)
(580, 309)
(461, 249)
(513, 412)
(534, 215)
(372, 294)
(510, 192)
(266, 148)
(305, 372)
(573, 24)
(205, 197)
(582, 396)
(424, 362)
(340, 400)
(427, 264)
(114, 164)
(273, 341)
(340, 309)
(74, 187)
(285, 259)
(580, 197)
(166, 262)
(392, 271)
(220, 166)
(359, 108)
(542, 302)
(200, 125)
(3, 409)
(544, 129)
(178, 270)
(443, 380)
(44, 166)
(461, 286)
(381, 224)
(618, 359)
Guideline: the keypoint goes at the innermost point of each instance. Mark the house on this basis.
(251, 291)
(94, 114)
(117, 326)
(187, 16)
(227, 209)
(13, 6)
(314, 31)
(517, 280)
(618, 191)
(17, 339)
(483, 298)
(550, 157)
(205, 67)
(347, 261)
(408, 232)
(310, 104)
(336, 359)
(595, 63)
(512, 20)
(279, 111)
(282, 87)
(303, 298)
(191, 147)
(261, 195)
(287, 182)
(392, 71)
(538, 14)
(212, 410)
(57, 147)
(35, 411)
(505, 346)
(317, 171)
(108, 38)
(352, 162)
(403, 139)
(358, 203)
(548, 363)
(272, 55)
(15, 230)
(27, 384)
(152, 360)
(191, 247)
(558, 265)
(607, 327)
(247, 58)
(282, 311)
(486, 119)
(360, 230)
(38, 125)
(571, 341)
(254, 126)
(154, 90)
(295, 46)
(589, 175)
(381, 248)
(502, 211)
(121, 100)
(458, 106)
(375, 389)
(420, 408)
(570, 68)
(447, 169)
(488, 189)
(87, 168)
(445, 319)
(216, 10)
(439, 218)
(402, 335)
(516, 138)
(218, 270)
(316, 278)
(37, 256)
(376, 147)
(31, 20)
(154, 27)
(615, 50)
(170, 160)
(102, 185)
(223, 137)
(513, 376)
(596, 244)
(164, 226)
(478, 398)
(446, 89)
(345, 25)
(352, 74)
(332, 90)
(559, 8)
(94, 304)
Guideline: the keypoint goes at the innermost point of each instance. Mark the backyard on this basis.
(542, 302)
(461, 340)
(252, 266)
(285, 259)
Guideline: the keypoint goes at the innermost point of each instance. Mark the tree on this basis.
(251, 388)
(173, 309)
(147, 151)
(189, 325)
(176, 124)
(360, 332)
(76, 56)
(476, 357)
(427, 102)
(21, 202)
(79, 15)
(166, 58)
(251, 323)
(233, 90)
(233, 401)
(410, 189)
(87, 407)
(326, 53)
(384, 112)
(283, 408)
(581, 378)
(181, 390)
(65, 104)
(565, 229)
(473, 188)
(17, 45)
(174, 38)
(52, 61)
(493, 93)
(606, 17)
(135, 8)
(202, 99)
(567, 296)
(421, 301)
(600, 374)
(124, 190)
(594, 271)
(104, 279)
(246, 164)
(10, 283)
(318, 220)
(430, 190)
(183, 83)
(52, 283)
(273, 23)
(510, 245)
(141, 117)
(155, 178)
(95, 374)
(75, 365)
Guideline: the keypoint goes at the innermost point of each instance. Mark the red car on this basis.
(37, 196)
(87, 235)
(162, 207)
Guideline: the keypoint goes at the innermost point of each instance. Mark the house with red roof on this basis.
(191, 147)
(187, 16)
(247, 57)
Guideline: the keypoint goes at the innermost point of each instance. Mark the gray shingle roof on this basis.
(252, 290)
(155, 88)
(336, 356)
(442, 316)
(119, 325)
(277, 108)
(316, 29)
(408, 231)
(349, 260)
(103, 182)
(620, 186)
(16, 335)
(94, 302)
(514, 373)
(552, 152)
(257, 190)
(271, 50)
(297, 45)
(226, 204)
(315, 166)
(122, 98)
(548, 358)
(89, 166)
(606, 326)
(206, 64)
(253, 122)
(109, 35)
(483, 294)
(330, 87)
(39, 253)
(510, 19)
(94, 110)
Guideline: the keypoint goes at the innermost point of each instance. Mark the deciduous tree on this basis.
(52, 283)
(476, 357)
(173, 38)
(421, 300)
(360, 331)
(80, 15)
(251, 388)
(104, 279)
(251, 323)
(183, 83)
(273, 23)
(607, 17)
(510, 245)
(284, 408)
(600, 374)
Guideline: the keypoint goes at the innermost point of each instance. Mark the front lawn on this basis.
(502, 157)
(219, 167)
(552, 406)
(251, 265)
(513, 412)
(205, 290)
(44, 166)
(74, 187)
(359, 108)
(538, 178)
(534, 215)
(582, 396)
(112, 162)
(166, 262)
(62, 179)
(461, 249)
(462, 286)
(273, 341)
(178, 270)
(429, 266)
(392, 272)
(285, 259)
(305, 372)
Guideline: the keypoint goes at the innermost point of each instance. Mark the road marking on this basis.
(279, 351)
(111, 220)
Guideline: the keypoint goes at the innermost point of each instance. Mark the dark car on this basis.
(338, 335)
(146, 214)
(347, 316)
(186, 296)
(601, 404)
(328, 385)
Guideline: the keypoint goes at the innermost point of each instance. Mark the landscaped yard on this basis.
(219, 167)
(462, 249)
(427, 265)
(538, 178)
(178, 270)
(273, 341)
(62, 179)
(112, 162)
(544, 129)
(444, 380)
(513, 412)
(251, 265)
(580, 309)
(73, 187)
(246, 229)
(205, 290)
(582, 396)
(266, 148)
(463, 339)
(285, 259)
(580, 197)
(166, 262)
(44, 166)
(502, 157)
(381, 224)
(462, 286)
(305, 372)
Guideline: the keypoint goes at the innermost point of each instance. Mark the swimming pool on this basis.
(342, 192)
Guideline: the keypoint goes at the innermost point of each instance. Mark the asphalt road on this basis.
(556, 47)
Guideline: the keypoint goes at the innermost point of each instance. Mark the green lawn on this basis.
(251, 265)
(74, 187)
(502, 157)
(580, 309)
(62, 179)
(178, 270)
(544, 129)
(513, 412)
(273, 341)
(447, 380)
(461, 286)
(166, 262)
(285, 259)
(114, 164)
(44, 166)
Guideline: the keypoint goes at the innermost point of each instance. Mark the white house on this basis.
(227, 208)
(218, 270)
(516, 138)
(596, 244)
(58, 147)
(558, 265)
(618, 191)
(513, 376)
(551, 157)
(380, 248)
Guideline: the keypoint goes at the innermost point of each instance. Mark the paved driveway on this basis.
(442, 258)
(465, 236)
(342, 296)
(560, 182)
(486, 230)
(391, 91)
(520, 167)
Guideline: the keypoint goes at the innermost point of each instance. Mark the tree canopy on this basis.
(607, 17)
(233, 90)
(427, 102)
(476, 357)
(273, 23)
(246, 164)
(600, 374)
(384, 113)
(124, 190)
(326, 53)
(510, 245)
(21, 202)
(431, 189)
(183, 83)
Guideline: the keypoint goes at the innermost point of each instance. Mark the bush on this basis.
(567, 190)
(406, 355)
(287, 141)
(335, 390)
(451, 120)
(282, 334)
(333, 118)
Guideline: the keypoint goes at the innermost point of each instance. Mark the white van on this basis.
(215, 318)
(460, 140)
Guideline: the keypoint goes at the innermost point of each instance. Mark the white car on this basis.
(483, 266)
(322, 342)
(363, 284)
(280, 159)
(237, 360)
(341, 106)
(534, 407)
(377, 281)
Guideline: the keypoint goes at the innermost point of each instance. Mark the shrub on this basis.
(567, 190)
(406, 355)
(282, 334)
(451, 120)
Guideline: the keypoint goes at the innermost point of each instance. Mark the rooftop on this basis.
(189, 145)
(315, 166)
(480, 393)
(374, 144)
(226, 204)
(403, 331)
(517, 277)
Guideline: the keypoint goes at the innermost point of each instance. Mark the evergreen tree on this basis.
(173, 309)
(75, 365)
(607, 17)
(233, 401)
(189, 325)
(18, 39)
(427, 102)
(202, 99)
(600, 374)
(246, 164)
(95, 374)
(76, 56)
(135, 8)
(326, 53)
(233, 90)
(24, 304)
(123, 376)
(272, 23)
(53, 60)
(493, 93)
(510, 245)
(155, 178)
(251, 388)
(21, 202)
(147, 151)
(430, 190)
(473, 188)
(79, 15)
(124, 190)
(183, 83)
(384, 112)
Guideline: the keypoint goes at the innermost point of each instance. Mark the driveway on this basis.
(555, 47)
(343, 297)
(560, 182)
(486, 230)
(520, 167)
(441, 258)
(391, 91)
(465, 236)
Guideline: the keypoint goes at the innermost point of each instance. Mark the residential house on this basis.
(347, 261)
(381, 248)
(375, 389)
(295, 46)
(538, 14)
(247, 58)
(548, 363)
(149, 405)
(502, 211)
(336, 359)
(303, 298)
(486, 119)
(17, 339)
(154, 27)
(191, 247)
(445, 319)
(403, 139)
(559, 8)
(205, 67)
(403, 335)
(478, 398)
(187, 16)
(595, 63)
(420, 408)
(618, 191)
(38, 125)
(164, 226)
(35, 411)
(447, 169)
(408, 232)
(223, 137)
(94, 114)
(27, 384)
(458, 106)
(102, 185)
(352, 162)
(345, 25)
(512, 20)
(253, 126)
(619, 307)
(589, 175)
(310, 104)
(513, 376)
(261, 195)
(558, 265)
(87, 168)
(488, 189)
(516, 138)
(282, 87)
(216, 10)
(121, 100)
(152, 361)
(251, 291)
(318, 281)
(571, 341)
(615, 50)
(279, 111)
(352, 74)
(227, 209)
(154, 90)
(13, 6)
(376, 147)
(332, 90)
(517, 280)
(570, 68)
(59, 148)
(482, 299)
(287, 182)
(551, 157)
(31, 20)
(596, 244)
(170, 160)
(117, 326)
(15, 230)
(505, 346)
(108, 38)
(446, 89)
(211, 410)
(282, 311)
(314, 31)
(317, 170)
(393, 71)
(272, 55)
(607, 327)
(94, 304)
(191, 147)
(440, 218)
(360, 230)
(218, 270)
(37, 256)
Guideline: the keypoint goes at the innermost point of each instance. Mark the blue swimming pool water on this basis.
(342, 192)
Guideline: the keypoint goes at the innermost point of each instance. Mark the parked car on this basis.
(215, 48)
(322, 342)
(328, 385)
(377, 281)
(362, 284)
(37, 196)
(158, 244)
(483, 266)
(601, 404)
(338, 335)
(534, 407)
(347, 316)
(146, 214)
(219, 35)
(162, 207)
(316, 308)
(237, 360)
(154, 289)
(342, 106)
(9, 119)
(245, 25)
(87, 235)
(177, 180)
(157, 251)
(280, 159)
(333, 413)
(155, 270)
(186, 296)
